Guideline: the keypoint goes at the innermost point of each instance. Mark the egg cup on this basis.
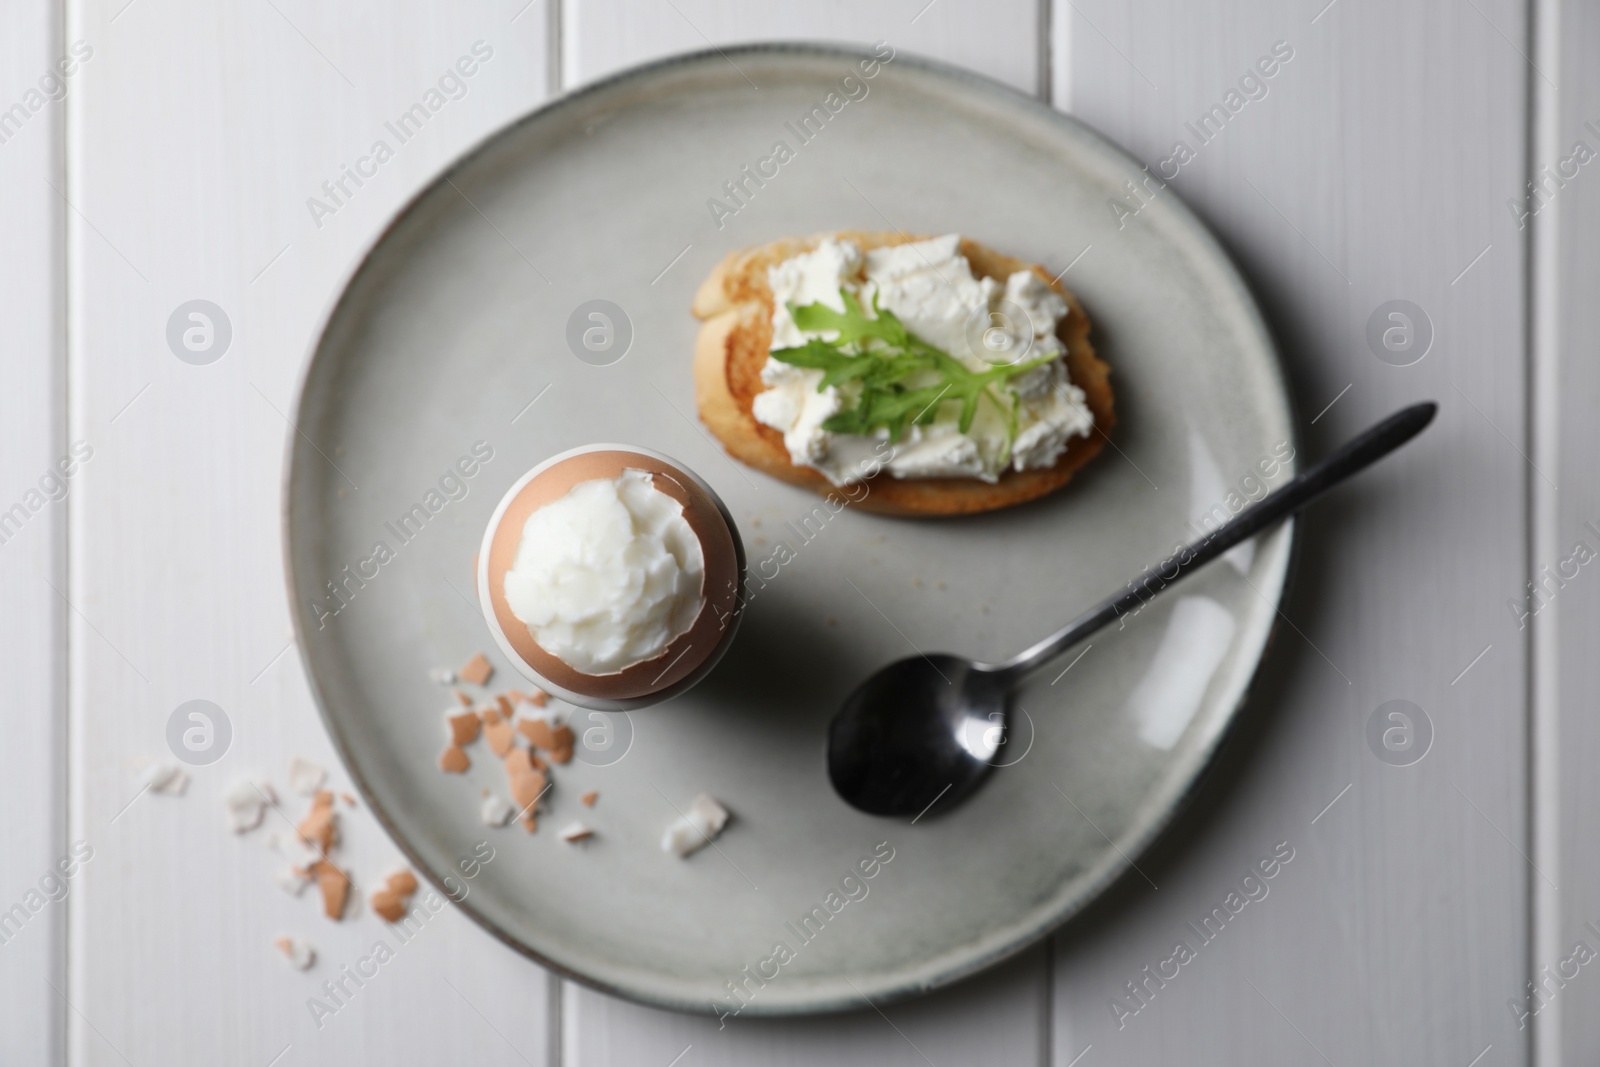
(687, 658)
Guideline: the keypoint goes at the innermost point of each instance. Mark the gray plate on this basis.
(458, 318)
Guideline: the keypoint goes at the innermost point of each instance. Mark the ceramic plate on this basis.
(455, 359)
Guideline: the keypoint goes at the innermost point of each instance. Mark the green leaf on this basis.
(852, 324)
(875, 360)
(815, 354)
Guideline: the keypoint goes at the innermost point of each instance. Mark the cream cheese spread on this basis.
(930, 287)
(608, 575)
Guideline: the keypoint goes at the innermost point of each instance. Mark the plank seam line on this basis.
(1045, 52)
(1047, 1028)
(62, 18)
(555, 43)
(555, 1038)
(1543, 439)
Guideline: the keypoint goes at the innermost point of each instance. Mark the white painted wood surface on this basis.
(199, 133)
(32, 535)
(1374, 168)
(1567, 511)
(1001, 38)
(1377, 166)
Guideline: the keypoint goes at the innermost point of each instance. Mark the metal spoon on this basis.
(923, 731)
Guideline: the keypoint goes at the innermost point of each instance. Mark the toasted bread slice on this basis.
(735, 306)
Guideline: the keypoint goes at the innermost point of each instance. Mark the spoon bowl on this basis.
(921, 731)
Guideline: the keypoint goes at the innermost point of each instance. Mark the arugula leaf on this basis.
(891, 409)
(852, 324)
(815, 354)
(882, 357)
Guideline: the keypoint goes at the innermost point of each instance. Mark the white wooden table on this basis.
(1385, 162)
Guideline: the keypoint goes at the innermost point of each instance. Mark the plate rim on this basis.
(904, 987)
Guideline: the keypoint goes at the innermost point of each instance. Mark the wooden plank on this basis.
(998, 1018)
(1000, 39)
(203, 136)
(1566, 511)
(33, 520)
(1373, 165)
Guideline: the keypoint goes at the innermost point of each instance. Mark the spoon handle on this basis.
(1355, 456)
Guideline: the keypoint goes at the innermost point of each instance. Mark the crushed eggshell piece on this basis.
(538, 698)
(335, 886)
(496, 811)
(320, 825)
(168, 778)
(576, 832)
(390, 901)
(501, 737)
(504, 704)
(526, 789)
(388, 905)
(538, 733)
(293, 881)
(453, 760)
(441, 676)
(556, 740)
(462, 699)
(247, 801)
(348, 799)
(562, 752)
(589, 798)
(296, 852)
(305, 777)
(298, 951)
(521, 761)
(463, 728)
(476, 670)
(244, 814)
(703, 820)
